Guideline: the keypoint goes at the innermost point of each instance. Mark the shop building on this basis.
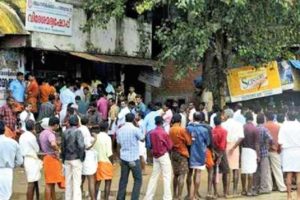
(46, 38)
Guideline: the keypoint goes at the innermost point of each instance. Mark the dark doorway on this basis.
(131, 79)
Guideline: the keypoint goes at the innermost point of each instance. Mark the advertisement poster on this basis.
(10, 64)
(49, 17)
(286, 75)
(250, 82)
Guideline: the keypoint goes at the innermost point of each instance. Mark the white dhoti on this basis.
(143, 150)
(90, 164)
(33, 168)
(248, 161)
(6, 183)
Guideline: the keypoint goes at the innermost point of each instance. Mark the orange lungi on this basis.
(105, 171)
(209, 161)
(53, 171)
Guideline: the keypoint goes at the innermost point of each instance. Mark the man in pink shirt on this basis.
(102, 106)
(167, 116)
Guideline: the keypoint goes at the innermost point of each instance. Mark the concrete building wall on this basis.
(118, 38)
(104, 40)
(131, 37)
(77, 42)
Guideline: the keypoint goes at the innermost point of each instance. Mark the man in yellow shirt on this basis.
(105, 170)
(131, 95)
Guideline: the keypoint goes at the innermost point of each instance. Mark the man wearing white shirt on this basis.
(123, 112)
(26, 115)
(11, 157)
(238, 114)
(192, 111)
(235, 134)
(216, 110)
(90, 164)
(67, 95)
(32, 164)
(79, 91)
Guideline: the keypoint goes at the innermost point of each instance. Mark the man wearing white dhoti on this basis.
(250, 154)
(289, 139)
(32, 164)
(10, 157)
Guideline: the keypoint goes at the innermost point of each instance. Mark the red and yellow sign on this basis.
(250, 82)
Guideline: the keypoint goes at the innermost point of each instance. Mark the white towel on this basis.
(248, 161)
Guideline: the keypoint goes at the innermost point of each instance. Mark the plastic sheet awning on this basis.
(116, 59)
(295, 63)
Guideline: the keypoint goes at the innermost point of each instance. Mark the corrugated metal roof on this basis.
(116, 59)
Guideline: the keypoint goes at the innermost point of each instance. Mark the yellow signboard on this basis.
(250, 82)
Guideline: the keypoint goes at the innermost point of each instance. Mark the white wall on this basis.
(105, 39)
(77, 42)
(102, 40)
(131, 40)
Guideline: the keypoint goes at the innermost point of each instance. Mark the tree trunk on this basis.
(216, 61)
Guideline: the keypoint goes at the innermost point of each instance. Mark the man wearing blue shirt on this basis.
(141, 107)
(128, 137)
(149, 120)
(17, 88)
(200, 141)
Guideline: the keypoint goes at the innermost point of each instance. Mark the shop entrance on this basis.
(131, 79)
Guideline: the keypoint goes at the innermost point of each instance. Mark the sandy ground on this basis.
(20, 187)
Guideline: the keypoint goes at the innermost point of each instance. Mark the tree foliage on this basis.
(217, 33)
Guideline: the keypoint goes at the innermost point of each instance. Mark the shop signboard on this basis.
(286, 75)
(150, 77)
(250, 82)
(10, 64)
(49, 17)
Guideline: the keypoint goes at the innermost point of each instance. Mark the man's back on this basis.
(45, 91)
(73, 144)
(234, 130)
(18, 90)
(181, 139)
(103, 146)
(47, 109)
(251, 136)
(102, 106)
(28, 144)
(160, 141)
(128, 136)
(67, 96)
(10, 154)
(149, 121)
(274, 130)
(200, 140)
(46, 137)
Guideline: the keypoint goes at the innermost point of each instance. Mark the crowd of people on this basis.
(77, 131)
